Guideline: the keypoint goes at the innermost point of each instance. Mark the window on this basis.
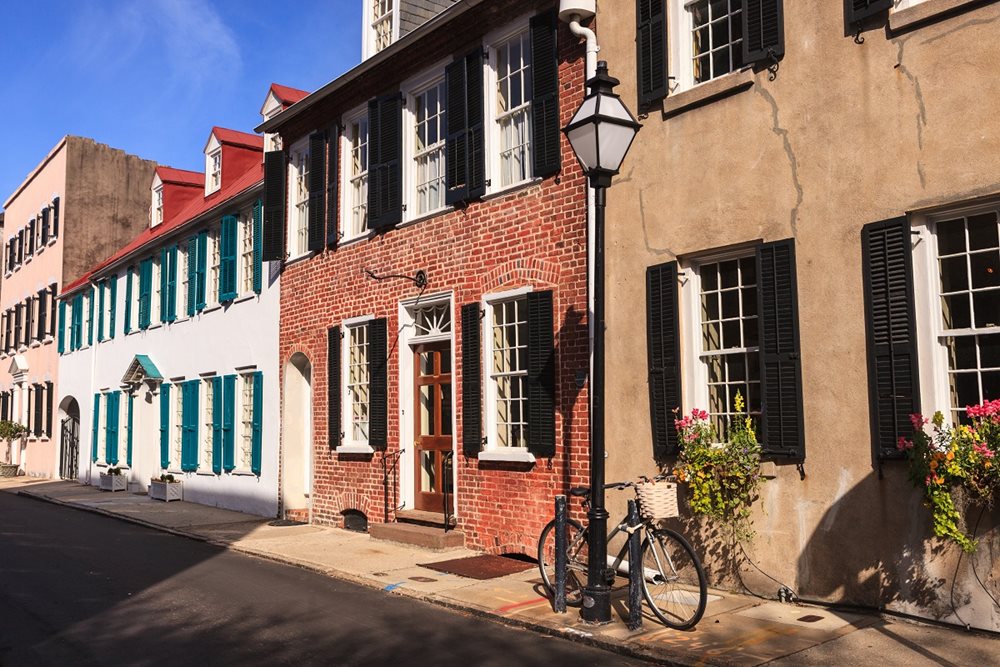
(968, 268)
(716, 38)
(728, 352)
(215, 263)
(428, 148)
(381, 23)
(298, 191)
(182, 268)
(356, 171)
(214, 180)
(246, 252)
(158, 205)
(178, 426)
(87, 307)
(208, 419)
(358, 383)
(244, 455)
(507, 398)
(155, 289)
(512, 64)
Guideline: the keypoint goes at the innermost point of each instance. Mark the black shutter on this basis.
(545, 128)
(890, 328)
(472, 424)
(3, 406)
(663, 349)
(541, 375)
(332, 174)
(378, 390)
(3, 331)
(29, 319)
(763, 31)
(273, 249)
(385, 148)
(39, 398)
(53, 314)
(17, 326)
(55, 217)
(317, 189)
(29, 396)
(48, 408)
(43, 307)
(20, 246)
(465, 157)
(856, 11)
(45, 225)
(474, 101)
(782, 427)
(651, 50)
(31, 237)
(334, 427)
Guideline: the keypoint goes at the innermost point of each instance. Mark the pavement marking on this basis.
(392, 587)
(516, 605)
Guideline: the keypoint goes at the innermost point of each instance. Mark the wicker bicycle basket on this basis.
(657, 500)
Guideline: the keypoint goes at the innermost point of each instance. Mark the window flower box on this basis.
(166, 490)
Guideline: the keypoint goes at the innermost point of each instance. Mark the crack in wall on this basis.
(793, 162)
(645, 231)
(921, 107)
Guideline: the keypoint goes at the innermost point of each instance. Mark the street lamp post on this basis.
(600, 133)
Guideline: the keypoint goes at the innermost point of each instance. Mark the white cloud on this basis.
(201, 50)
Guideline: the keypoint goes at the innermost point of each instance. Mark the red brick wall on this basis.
(534, 236)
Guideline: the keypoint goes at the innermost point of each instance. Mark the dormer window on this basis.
(214, 171)
(382, 23)
(157, 205)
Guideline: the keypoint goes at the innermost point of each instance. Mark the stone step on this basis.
(428, 537)
(423, 518)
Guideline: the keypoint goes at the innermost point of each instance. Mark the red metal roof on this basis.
(182, 176)
(227, 136)
(149, 236)
(286, 95)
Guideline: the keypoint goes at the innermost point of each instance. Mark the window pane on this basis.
(736, 366)
(710, 335)
(730, 304)
(729, 274)
(964, 389)
(731, 334)
(989, 351)
(987, 307)
(954, 274)
(951, 237)
(961, 352)
(709, 278)
(445, 409)
(991, 385)
(750, 333)
(748, 271)
(983, 231)
(985, 269)
(955, 310)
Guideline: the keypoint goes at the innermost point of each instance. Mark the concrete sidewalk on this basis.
(736, 630)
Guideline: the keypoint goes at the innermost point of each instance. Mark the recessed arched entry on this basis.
(69, 438)
(296, 437)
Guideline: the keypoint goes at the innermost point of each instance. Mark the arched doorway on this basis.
(69, 438)
(296, 438)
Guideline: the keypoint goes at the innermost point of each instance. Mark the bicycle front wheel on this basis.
(673, 582)
(576, 565)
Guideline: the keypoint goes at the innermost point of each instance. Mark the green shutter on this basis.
(164, 292)
(113, 296)
(128, 441)
(216, 425)
(145, 291)
(258, 268)
(171, 284)
(164, 426)
(90, 322)
(227, 258)
(228, 417)
(62, 327)
(76, 327)
(258, 413)
(100, 312)
(192, 286)
(189, 416)
(201, 271)
(96, 420)
(128, 299)
(111, 432)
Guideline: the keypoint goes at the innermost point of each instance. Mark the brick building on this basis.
(431, 222)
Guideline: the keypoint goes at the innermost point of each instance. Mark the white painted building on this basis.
(169, 348)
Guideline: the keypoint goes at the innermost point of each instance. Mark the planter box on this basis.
(8, 470)
(166, 491)
(113, 483)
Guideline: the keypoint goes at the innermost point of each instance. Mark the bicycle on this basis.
(673, 583)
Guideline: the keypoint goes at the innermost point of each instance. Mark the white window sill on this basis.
(425, 216)
(929, 10)
(242, 473)
(212, 308)
(510, 189)
(299, 258)
(355, 448)
(507, 454)
(48, 339)
(35, 343)
(709, 91)
(245, 297)
(353, 240)
(204, 473)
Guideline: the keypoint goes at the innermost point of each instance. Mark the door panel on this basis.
(432, 425)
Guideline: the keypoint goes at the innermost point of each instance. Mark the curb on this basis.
(572, 634)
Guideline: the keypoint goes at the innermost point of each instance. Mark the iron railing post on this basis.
(559, 599)
(635, 569)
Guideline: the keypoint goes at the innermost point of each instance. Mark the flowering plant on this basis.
(950, 460)
(723, 477)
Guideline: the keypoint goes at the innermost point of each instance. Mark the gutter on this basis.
(306, 103)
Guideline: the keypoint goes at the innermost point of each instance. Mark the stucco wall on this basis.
(846, 134)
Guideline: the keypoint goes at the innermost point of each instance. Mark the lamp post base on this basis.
(596, 608)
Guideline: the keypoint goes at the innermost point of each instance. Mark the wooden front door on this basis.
(432, 445)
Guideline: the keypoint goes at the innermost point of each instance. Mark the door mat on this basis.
(487, 566)
(285, 522)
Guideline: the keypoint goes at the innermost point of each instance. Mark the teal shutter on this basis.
(113, 296)
(111, 432)
(201, 270)
(164, 426)
(130, 437)
(90, 321)
(258, 264)
(171, 272)
(189, 436)
(192, 273)
(227, 258)
(94, 432)
(100, 312)
(163, 284)
(228, 417)
(76, 326)
(217, 425)
(145, 291)
(128, 299)
(258, 410)
(62, 327)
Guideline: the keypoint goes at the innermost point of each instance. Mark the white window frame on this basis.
(412, 89)
(492, 132)
(182, 278)
(492, 450)
(207, 407)
(350, 445)
(154, 291)
(244, 427)
(694, 376)
(680, 48)
(368, 43)
(177, 426)
(102, 428)
(157, 205)
(347, 177)
(214, 248)
(932, 351)
(85, 339)
(245, 266)
(213, 170)
(298, 206)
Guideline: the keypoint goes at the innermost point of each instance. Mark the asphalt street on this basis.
(83, 589)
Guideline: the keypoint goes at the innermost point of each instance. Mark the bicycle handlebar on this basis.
(584, 491)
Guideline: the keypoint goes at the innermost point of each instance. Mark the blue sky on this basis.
(153, 76)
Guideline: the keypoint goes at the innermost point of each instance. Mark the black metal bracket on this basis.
(419, 278)
(801, 467)
(858, 39)
(772, 69)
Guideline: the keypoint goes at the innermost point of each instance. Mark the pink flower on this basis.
(681, 424)
(917, 421)
(983, 450)
(903, 444)
(699, 414)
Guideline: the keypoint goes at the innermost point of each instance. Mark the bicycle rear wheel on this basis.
(674, 582)
(576, 565)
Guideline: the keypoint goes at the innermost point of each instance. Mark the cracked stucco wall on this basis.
(845, 135)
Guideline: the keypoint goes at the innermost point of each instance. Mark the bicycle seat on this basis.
(580, 491)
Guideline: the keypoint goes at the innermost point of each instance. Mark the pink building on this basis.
(81, 203)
